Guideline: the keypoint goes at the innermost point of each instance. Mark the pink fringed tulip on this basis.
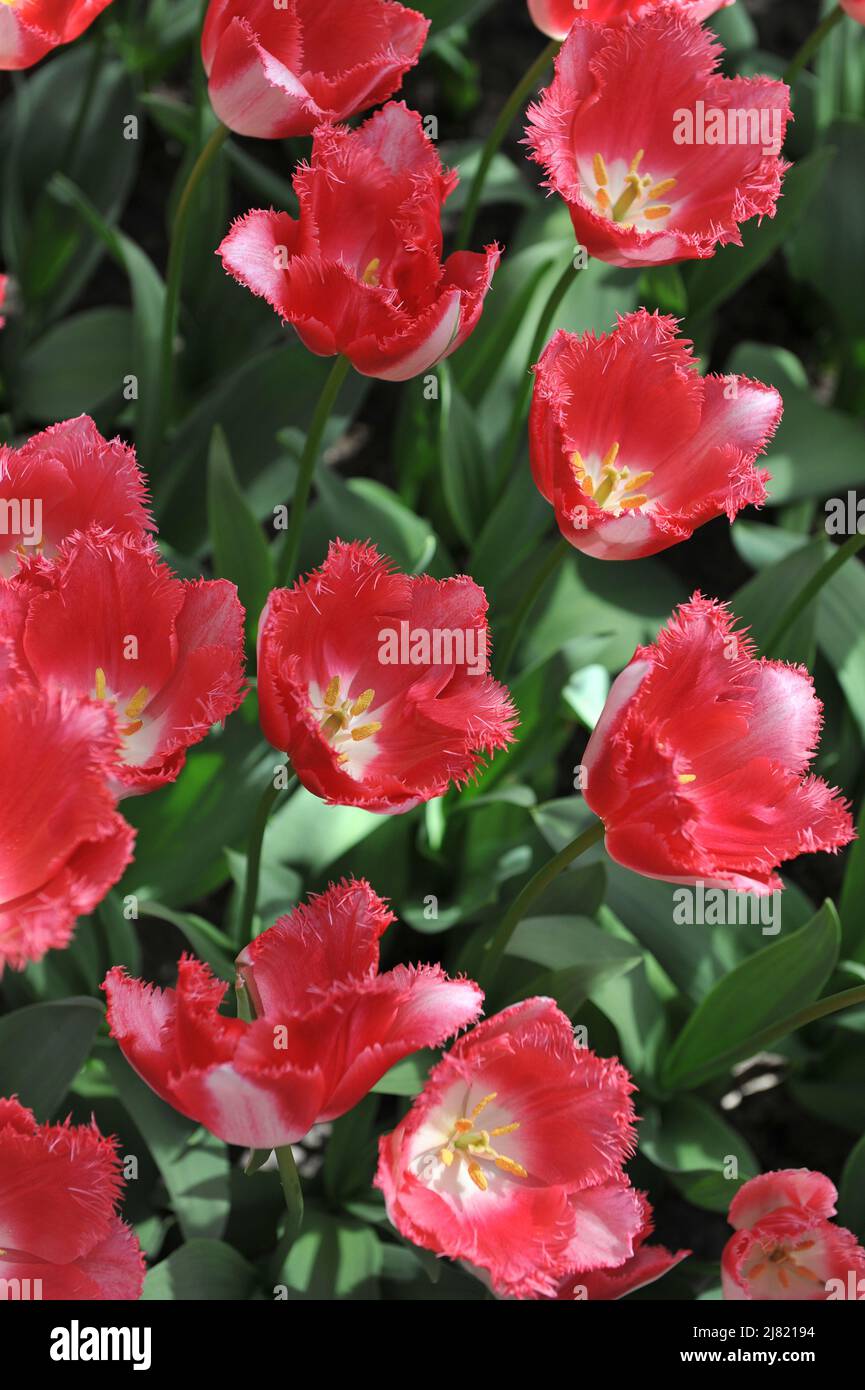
(361, 271)
(276, 70)
(647, 1264)
(66, 479)
(327, 1024)
(62, 843)
(786, 1246)
(511, 1158)
(60, 1236)
(633, 448)
(555, 17)
(658, 157)
(698, 766)
(31, 28)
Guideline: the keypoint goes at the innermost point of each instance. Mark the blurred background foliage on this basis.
(83, 230)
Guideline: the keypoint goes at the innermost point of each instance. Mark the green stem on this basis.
(524, 394)
(530, 598)
(526, 85)
(292, 1191)
(810, 591)
(253, 856)
(287, 562)
(533, 889)
(811, 44)
(174, 271)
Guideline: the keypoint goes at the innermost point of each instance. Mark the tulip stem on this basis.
(174, 271)
(533, 889)
(293, 1193)
(524, 393)
(271, 794)
(524, 88)
(812, 43)
(530, 598)
(806, 595)
(287, 562)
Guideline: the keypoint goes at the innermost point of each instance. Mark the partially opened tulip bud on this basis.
(555, 17)
(31, 28)
(786, 1247)
(277, 69)
(698, 766)
(633, 448)
(658, 157)
(327, 1024)
(361, 271)
(60, 1232)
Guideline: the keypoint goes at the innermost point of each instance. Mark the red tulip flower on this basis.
(555, 17)
(647, 1264)
(280, 70)
(510, 1159)
(361, 271)
(67, 479)
(62, 843)
(785, 1245)
(658, 157)
(31, 28)
(376, 684)
(698, 765)
(59, 1228)
(108, 620)
(327, 1027)
(633, 448)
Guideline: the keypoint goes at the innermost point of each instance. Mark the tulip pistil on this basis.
(639, 197)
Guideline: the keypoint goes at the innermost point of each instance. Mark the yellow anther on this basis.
(603, 199)
(137, 703)
(508, 1165)
(333, 724)
(659, 189)
(331, 694)
(587, 485)
(478, 1176)
(446, 1156)
(370, 275)
(662, 210)
(610, 456)
(636, 161)
(129, 729)
(600, 168)
(504, 1129)
(363, 702)
(686, 777)
(482, 1104)
(365, 731)
(628, 504)
(637, 481)
(100, 683)
(463, 1126)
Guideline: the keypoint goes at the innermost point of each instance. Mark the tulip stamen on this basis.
(611, 487)
(337, 716)
(370, 275)
(687, 777)
(472, 1144)
(637, 192)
